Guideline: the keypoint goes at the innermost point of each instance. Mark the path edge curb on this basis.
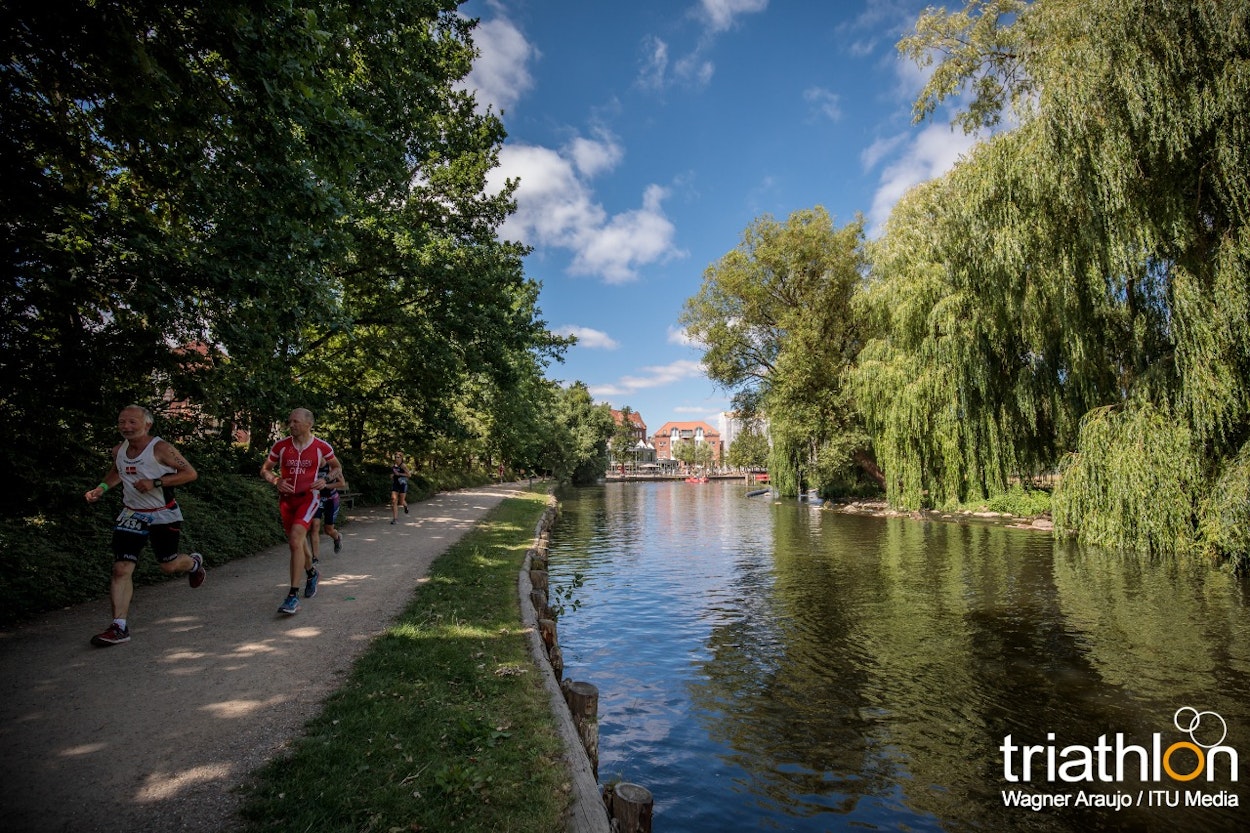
(587, 813)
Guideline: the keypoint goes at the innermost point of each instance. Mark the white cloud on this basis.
(721, 14)
(586, 337)
(556, 207)
(695, 70)
(824, 102)
(700, 413)
(654, 63)
(616, 248)
(880, 149)
(592, 156)
(931, 153)
(680, 336)
(500, 75)
(655, 376)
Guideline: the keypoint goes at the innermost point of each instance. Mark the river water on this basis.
(765, 665)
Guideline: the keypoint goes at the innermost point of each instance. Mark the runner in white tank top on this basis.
(147, 468)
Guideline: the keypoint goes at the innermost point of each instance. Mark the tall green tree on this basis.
(577, 450)
(749, 449)
(773, 318)
(296, 190)
(695, 454)
(622, 442)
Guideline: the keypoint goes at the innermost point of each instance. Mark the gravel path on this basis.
(155, 734)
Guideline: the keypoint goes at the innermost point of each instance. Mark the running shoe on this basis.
(405, 509)
(290, 606)
(392, 521)
(115, 635)
(197, 575)
(310, 586)
(338, 544)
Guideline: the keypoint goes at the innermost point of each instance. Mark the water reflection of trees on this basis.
(888, 659)
(869, 669)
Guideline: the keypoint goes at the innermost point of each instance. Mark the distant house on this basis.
(640, 452)
(671, 433)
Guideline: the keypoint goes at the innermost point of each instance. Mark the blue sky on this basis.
(647, 135)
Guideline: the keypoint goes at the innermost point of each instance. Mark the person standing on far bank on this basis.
(148, 469)
(298, 459)
(399, 486)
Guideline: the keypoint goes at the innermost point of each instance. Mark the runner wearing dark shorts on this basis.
(326, 516)
(147, 468)
(399, 486)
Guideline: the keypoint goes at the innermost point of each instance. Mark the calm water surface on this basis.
(765, 665)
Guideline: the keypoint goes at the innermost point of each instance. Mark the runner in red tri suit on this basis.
(298, 460)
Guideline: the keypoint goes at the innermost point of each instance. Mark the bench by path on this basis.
(153, 735)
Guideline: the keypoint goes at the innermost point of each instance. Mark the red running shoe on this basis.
(197, 575)
(115, 635)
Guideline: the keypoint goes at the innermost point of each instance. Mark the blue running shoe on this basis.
(291, 606)
(310, 586)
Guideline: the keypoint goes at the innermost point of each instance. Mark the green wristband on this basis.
(103, 487)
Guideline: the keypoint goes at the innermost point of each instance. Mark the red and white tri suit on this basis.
(299, 467)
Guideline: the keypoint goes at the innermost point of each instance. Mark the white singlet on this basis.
(158, 508)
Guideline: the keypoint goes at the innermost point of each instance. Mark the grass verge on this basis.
(443, 724)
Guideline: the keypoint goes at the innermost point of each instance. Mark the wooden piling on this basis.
(556, 657)
(583, 700)
(630, 807)
(547, 630)
(538, 579)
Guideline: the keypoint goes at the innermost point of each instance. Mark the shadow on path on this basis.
(155, 734)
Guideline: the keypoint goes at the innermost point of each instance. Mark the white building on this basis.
(731, 426)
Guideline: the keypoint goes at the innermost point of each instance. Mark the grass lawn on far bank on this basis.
(443, 724)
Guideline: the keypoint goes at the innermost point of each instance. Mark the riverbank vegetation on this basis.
(444, 723)
(1073, 297)
(224, 210)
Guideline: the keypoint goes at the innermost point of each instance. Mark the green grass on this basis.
(444, 724)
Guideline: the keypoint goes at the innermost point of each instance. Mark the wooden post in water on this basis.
(538, 598)
(629, 807)
(538, 579)
(583, 700)
(547, 630)
(556, 656)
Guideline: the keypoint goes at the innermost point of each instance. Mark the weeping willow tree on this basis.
(1154, 129)
(921, 383)
(1077, 290)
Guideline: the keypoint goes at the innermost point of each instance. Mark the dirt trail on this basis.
(153, 735)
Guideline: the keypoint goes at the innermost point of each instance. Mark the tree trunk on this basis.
(868, 464)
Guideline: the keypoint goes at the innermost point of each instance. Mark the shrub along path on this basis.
(157, 734)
